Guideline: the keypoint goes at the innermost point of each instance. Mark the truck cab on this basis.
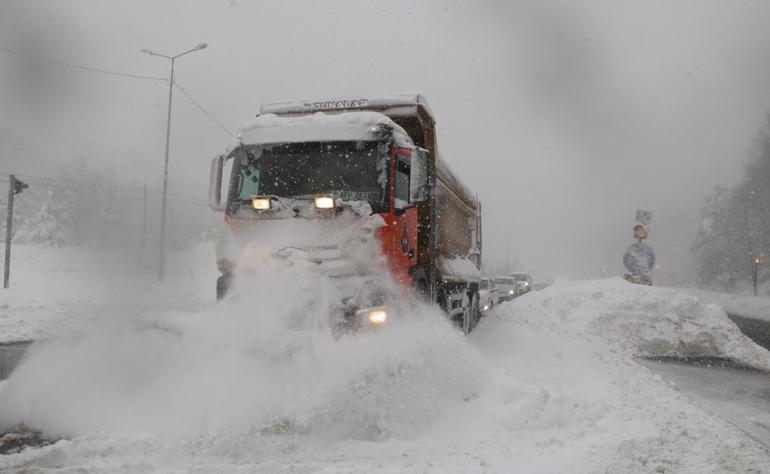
(333, 159)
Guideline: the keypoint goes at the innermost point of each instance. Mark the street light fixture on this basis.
(162, 257)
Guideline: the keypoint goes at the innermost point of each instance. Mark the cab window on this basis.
(402, 183)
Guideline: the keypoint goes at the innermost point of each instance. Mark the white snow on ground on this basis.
(49, 286)
(651, 322)
(546, 383)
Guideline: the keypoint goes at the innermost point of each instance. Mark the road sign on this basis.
(639, 259)
(643, 217)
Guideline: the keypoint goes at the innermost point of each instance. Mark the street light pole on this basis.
(162, 256)
(756, 262)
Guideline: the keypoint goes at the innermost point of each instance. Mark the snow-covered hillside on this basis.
(147, 377)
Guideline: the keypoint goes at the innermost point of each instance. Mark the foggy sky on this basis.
(564, 116)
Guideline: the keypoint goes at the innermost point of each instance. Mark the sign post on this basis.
(639, 258)
(643, 217)
(15, 187)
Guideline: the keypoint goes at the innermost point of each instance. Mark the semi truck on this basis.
(327, 160)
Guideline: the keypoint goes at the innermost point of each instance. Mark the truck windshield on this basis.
(354, 171)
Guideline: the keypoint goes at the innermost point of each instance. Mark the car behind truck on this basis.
(340, 162)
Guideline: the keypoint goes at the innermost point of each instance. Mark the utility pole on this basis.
(162, 256)
(15, 187)
(508, 254)
(144, 225)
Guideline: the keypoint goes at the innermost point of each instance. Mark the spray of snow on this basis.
(263, 360)
(547, 383)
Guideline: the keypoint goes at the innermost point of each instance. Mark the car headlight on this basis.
(375, 316)
(510, 292)
(485, 308)
(325, 202)
(261, 203)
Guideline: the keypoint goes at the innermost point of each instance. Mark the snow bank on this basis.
(576, 345)
(643, 321)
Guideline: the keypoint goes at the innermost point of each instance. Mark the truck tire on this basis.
(470, 316)
(471, 313)
(475, 309)
(419, 283)
(420, 289)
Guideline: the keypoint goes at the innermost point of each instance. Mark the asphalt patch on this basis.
(705, 362)
(18, 439)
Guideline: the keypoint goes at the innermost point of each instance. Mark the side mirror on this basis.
(419, 185)
(215, 184)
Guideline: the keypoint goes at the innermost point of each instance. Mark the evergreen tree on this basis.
(51, 227)
(734, 225)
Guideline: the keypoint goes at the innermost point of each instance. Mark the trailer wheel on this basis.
(441, 300)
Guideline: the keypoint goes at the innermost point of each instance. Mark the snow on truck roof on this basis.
(330, 119)
(386, 102)
(318, 126)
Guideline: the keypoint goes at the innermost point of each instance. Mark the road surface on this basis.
(10, 355)
(738, 395)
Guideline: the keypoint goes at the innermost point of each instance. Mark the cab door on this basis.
(400, 239)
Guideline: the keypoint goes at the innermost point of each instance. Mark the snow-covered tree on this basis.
(734, 224)
(51, 226)
(23, 210)
(713, 240)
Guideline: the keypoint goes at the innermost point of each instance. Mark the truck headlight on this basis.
(375, 316)
(324, 202)
(261, 203)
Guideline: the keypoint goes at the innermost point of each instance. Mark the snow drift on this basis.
(642, 321)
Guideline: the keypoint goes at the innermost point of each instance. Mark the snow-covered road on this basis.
(551, 382)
